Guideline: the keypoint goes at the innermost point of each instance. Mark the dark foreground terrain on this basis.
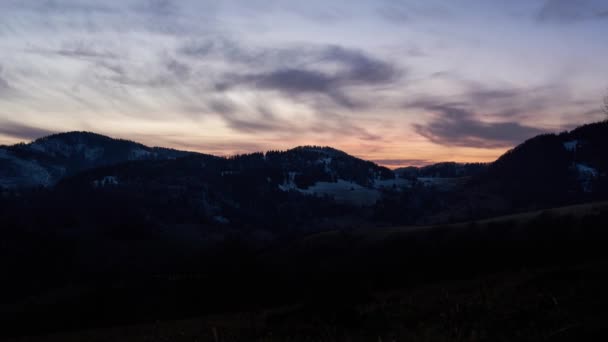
(539, 276)
(544, 304)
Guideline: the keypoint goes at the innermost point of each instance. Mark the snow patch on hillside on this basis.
(395, 183)
(289, 183)
(586, 176)
(16, 172)
(140, 153)
(54, 148)
(326, 162)
(345, 192)
(221, 220)
(586, 170)
(91, 154)
(442, 183)
(342, 191)
(105, 181)
(62, 149)
(571, 146)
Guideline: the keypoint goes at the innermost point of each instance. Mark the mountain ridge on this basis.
(45, 158)
(549, 168)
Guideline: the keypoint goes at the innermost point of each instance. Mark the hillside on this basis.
(542, 272)
(47, 160)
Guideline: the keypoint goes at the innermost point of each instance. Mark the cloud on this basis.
(264, 120)
(228, 50)
(162, 16)
(293, 81)
(509, 102)
(396, 14)
(339, 125)
(567, 11)
(178, 69)
(221, 107)
(86, 54)
(399, 12)
(503, 101)
(159, 8)
(165, 17)
(166, 72)
(454, 126)
(361, 68)
(22, 131)
(481, 95)
(4, 86)
(68, 6)
(329, 72)
(220, 47)
(87, 50)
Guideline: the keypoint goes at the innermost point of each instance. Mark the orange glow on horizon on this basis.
(391, 154)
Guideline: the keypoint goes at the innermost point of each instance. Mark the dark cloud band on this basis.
(567, 11)
(22, 131)
(355, 69)
(454, 126)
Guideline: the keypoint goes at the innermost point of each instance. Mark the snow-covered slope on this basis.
(45, 161)
(341, 190)
(15, 171)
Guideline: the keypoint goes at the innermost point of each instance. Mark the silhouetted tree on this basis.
(605, 107)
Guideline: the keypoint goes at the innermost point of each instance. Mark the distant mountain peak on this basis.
(73, 134)
(80, 137)
(322, 150)
(47, 160)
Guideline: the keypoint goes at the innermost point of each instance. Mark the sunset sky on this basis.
(397, 82)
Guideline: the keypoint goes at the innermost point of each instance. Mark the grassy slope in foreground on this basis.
(532, 276)
(386, 233)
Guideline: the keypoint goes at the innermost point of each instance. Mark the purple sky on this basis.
(399, 82)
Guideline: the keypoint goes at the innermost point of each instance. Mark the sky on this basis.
(397, 82)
